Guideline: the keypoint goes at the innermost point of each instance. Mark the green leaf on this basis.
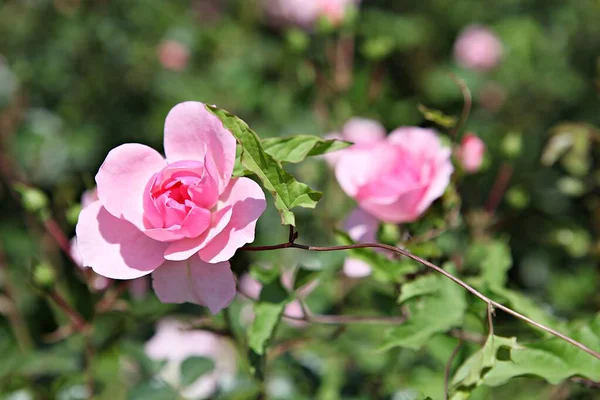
(419, 287)
(389, 269)
(437, 117)
(431, 312)
(472, 372)
(153, 390)
(267, 313)
(294, 149)
(193, 368)
(264, 275)
(286, 190)
(304, 277)
(493, 258)
(553, 360)
(526, 306)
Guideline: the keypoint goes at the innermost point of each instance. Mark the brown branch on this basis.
(428, 264)
(448, 369)
(79, 323)
(499, 188)
(337, 319)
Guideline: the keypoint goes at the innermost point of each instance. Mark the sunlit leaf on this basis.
(286, 190)
(294, 149)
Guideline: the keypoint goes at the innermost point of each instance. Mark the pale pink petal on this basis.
(362, 226)
(359, 166)
(248, 202)
(88, 197)
(123, 177)
(438, 185)
(185, 248)
(416, 140)
(194, 281)
(74, 253)
(363, 131)
(250, 286)
(355, 268)
(114, 248)
(193, 133)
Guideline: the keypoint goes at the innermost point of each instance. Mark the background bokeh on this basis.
(80, 77)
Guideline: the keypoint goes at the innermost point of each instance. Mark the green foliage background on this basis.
(79, 77)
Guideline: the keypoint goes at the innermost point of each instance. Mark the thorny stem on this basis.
(491, 303)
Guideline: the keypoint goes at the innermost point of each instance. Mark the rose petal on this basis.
(248, 202)
(193, 133)
(185, 248)
(359, 166)
(123, 177)
(363, 131)
(405, 209)
(114, 248)
(195, 281)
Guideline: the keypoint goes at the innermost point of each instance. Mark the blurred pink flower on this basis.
(470, 152)
(173, 55)
(393, 178)
(252, 288)
(478, 48)
(362, 228)
(181, 219)
(305, 13)
(173, 343)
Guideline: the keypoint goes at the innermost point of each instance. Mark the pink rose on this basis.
(173, 55)
(173, 344)
(180, 219)
(478, 48)
(306, 13)
(470, 153)
(393, 178)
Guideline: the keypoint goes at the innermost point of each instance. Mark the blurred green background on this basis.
(78, 77)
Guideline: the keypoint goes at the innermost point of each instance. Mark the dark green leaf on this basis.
(304, 277)
(153, 390)
(286, 190)
(264, 275)
(294, 149)
(492, 258)
(193, 368)
(267, 313)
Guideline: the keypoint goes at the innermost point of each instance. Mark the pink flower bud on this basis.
(478, 48)
(470, 153)
(173, 55)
